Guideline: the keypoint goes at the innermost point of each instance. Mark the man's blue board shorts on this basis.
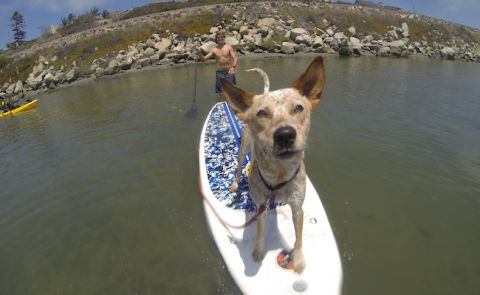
(223, 74)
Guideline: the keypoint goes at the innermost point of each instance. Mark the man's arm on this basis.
(204, 58)
(235, 60)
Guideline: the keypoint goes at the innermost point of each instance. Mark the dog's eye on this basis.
(261, 114)
(298, 108)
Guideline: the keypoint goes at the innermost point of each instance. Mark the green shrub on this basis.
(86, 51)
(4, 61)
(272, 43)
(16, 69)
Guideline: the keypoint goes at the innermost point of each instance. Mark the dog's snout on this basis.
(285, 136)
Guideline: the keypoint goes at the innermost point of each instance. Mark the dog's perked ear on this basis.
(239, 99)
(310, 84)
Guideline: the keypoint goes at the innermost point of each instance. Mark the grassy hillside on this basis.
(366, 21)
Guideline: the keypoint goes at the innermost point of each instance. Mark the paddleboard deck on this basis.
(218, 150)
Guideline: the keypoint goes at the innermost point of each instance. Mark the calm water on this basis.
(99, 183)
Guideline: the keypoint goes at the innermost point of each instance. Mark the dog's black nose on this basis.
(285, 136)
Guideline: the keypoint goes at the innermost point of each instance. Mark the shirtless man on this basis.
(226, 62)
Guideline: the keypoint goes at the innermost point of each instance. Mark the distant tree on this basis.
(17, 25)
(71, 18)
(94, 11)
(105, 14)
(64, 21)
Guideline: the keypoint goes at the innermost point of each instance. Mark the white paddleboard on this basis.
(218, 149)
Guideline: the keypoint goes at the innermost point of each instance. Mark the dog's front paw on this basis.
(234, 187)
(298, 261)
(258, 254)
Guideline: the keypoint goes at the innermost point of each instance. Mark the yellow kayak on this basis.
(25, 107)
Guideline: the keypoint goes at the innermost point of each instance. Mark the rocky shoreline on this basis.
(271, 34)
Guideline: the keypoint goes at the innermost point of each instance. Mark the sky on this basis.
(39, 14)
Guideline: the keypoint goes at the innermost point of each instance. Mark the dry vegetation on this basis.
(342, 18)
(84, 52)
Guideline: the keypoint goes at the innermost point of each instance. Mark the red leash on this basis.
(260, 211)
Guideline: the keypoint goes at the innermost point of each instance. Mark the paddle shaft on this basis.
(195, 85)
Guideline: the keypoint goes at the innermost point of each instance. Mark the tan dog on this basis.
(277, 126)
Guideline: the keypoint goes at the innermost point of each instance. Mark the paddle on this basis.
(192, 113)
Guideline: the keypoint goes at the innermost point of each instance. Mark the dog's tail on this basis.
(266, 88)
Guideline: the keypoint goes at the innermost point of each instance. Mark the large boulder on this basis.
(213, 30)
(34, 82)
(232, 41)
(350, 48)
(18, 87)
(49, 78)
(398, 48)
(132, 53)
(163, 44)
(126, 63)
(150, 43)
(352, 30)
(101, 62)
(243, 30)
(42, 60)
(345, 50)
(355, 42)
(38, 69)
(448, 53)
(255, 38)
(177, 57)
(156, 37)
(71, 75)
(59, 77)
(356, 46)
(393, 34)
(383, 51)
(267, 22)
(155, 58)
(10, 89)
(294, 33)
(206, 47)
(289, 47)
(367, 39)
(112, 68)
(340, 37)
(179, 47)
(317, 42)
(143, 62)
(263, 30)
(148, 52)
(99, 72)
(304, 39)
(93, 67)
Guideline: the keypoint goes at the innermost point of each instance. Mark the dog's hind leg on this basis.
(244, 148)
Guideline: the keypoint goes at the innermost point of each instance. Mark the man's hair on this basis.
(219, 34)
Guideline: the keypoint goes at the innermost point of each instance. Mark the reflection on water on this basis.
(99, 183)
